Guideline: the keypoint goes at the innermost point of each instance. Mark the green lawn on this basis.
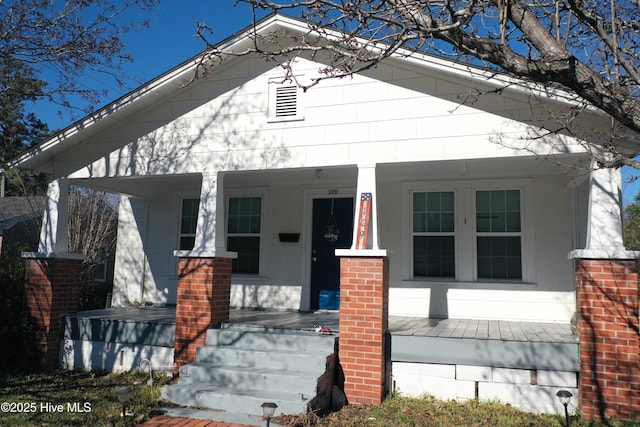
(63, 398)
(430, 412)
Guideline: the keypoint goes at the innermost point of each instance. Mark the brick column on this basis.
(204, 293)
(364, 323)
(52, 290)
(607, 305)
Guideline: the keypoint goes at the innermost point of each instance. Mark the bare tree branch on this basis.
(589, 49)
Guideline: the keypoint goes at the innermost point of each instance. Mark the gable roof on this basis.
(14, 210)
(169, 83)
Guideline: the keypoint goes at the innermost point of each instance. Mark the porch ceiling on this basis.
(574, 166)
(149, 186)
(145, 187)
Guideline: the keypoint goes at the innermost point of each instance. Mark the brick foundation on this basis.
(607, 304)
(204, 294)
(52, 290)
(364, 322)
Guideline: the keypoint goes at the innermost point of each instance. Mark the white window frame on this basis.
(477, 234)
(180, 235)
(238, 193)
(427, 233)
(465, 229)
(104, 262)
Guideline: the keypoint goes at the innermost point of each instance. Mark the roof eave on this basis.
(37, 156)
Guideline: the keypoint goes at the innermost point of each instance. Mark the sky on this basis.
(170, 40)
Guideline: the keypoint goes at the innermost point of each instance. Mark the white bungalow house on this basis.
(473, 204)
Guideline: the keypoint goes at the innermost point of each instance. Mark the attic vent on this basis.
(284, 102)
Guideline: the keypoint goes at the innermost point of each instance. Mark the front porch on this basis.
(398, 325)
(497, 343)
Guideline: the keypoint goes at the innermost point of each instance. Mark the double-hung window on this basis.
(243, 233)
(498, 234)
(188, 223)
(434, 234)
(469, 232)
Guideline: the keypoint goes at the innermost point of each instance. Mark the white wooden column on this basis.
(604, 238)
(210, 229)
(55, 221)
(366, 188)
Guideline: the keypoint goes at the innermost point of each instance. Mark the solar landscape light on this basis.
(124, 396)
(565, 398)
(268, 409)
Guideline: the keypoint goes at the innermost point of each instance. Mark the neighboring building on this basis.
(20, 219)
(472, 224)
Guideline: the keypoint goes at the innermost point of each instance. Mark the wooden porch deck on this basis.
(496, 343)
(416, 326)
(398, 325)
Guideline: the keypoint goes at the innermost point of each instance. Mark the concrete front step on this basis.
(240, 368)
(282, 340)
(234, 400)
(260, 378)
(299, 361)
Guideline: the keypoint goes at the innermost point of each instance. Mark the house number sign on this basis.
(333, 191)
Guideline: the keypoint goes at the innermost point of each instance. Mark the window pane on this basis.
(419, 222)
(234, 206)
(498, 211)
(448, 222)
(434, 256)
(254, 225)
(447, 201)
(419, 202)
(248, 249)
(244, 205)
(513, 222)
(244, 224)
(499, 258)
(498, 202)
(433, 212)
(513, 200)
(187, 242)
(433, 202)
(498, 222)
(189, 217)
(256, 206)
(483, 201)
(433, 222)
(244, 215)
(233, 224)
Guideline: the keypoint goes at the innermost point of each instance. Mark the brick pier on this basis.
(364, 324)
(52, 289)
(607, 304)
(204, 294)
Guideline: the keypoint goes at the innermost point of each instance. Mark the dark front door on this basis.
(332, 229)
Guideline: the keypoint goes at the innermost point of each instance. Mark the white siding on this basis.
(221, 124)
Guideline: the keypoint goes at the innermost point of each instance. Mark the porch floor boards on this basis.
(398, 325)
